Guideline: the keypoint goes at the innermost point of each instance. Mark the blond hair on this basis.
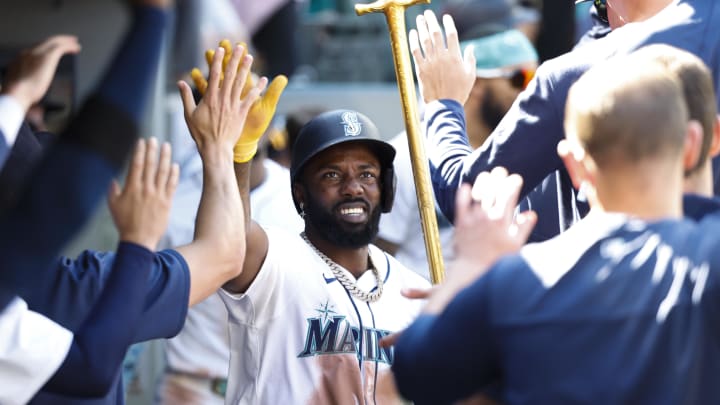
(626, 110)
(698, 90)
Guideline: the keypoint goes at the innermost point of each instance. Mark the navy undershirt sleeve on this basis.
(524, 142)
(79, 283)
(99, 346)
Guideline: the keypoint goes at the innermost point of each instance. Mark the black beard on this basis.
(339, 233)
(491, 111)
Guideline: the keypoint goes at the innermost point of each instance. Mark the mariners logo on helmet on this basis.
(352, 125)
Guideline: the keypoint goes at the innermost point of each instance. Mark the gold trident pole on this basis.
(394, 11)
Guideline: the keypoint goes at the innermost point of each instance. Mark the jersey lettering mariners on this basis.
(298, 337)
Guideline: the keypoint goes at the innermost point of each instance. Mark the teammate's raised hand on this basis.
(486, 227)
(219, 118)
(261, 112)
(442, 71)
(141, 208)
(30, 75)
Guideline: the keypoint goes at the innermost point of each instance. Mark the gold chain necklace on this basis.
(344, 279)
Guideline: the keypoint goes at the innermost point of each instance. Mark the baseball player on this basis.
(307, 312)
(621, 308)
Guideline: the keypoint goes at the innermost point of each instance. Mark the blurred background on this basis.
(334, 59)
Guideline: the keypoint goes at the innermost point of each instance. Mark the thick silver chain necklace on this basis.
(345, 280)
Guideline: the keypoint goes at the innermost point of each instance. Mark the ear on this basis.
(573, 162)
(298, 192)
(693, 145)
(715, 143)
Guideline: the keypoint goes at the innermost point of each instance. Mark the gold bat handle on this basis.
(381, 5)
(394, 11)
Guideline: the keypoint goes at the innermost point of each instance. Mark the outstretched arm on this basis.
(218, 250)
(140, 211)
(524, 142)
(258, 120)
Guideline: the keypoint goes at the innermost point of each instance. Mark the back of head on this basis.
(626, 111)
(698, 89)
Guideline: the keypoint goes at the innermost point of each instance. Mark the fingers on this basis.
(215, 70)
(163, 168)
(436, 34)
(415, 47)
(255, 92)
(243, 71)
(481, 190)
(150, 170)
(187, 98)
(451, 34)
(227, 47)
(173, 180)
(274, 91)
(424, 36)
(58, 44)
(209, 56)
(135, 173)
(199, 80)
(233, 80)
(113, 192)
(469, 60)
(506, 200)
(416, 293)
(389, 340)
(524, 224)
(463, 201)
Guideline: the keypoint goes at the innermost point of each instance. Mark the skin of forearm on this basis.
(242, 175)
(220, 219)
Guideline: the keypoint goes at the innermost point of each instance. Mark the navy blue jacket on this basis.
(613, 311)
(525, 141)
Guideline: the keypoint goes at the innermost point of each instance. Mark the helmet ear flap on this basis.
(389, 182)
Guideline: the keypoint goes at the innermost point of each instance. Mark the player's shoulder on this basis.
(282, 237)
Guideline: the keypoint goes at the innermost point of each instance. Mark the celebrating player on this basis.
(307, 311)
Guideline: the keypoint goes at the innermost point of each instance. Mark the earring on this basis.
(302, 210)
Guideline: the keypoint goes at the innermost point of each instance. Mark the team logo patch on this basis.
(351, 124)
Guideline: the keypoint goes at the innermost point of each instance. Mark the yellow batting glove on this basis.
(199, 79)
(258, 120)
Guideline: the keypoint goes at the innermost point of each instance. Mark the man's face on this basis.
(342, 189)
(497, 96)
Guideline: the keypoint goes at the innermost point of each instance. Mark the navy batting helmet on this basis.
(341, 126)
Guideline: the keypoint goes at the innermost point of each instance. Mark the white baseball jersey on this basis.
(32, 347)
(298, 337)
